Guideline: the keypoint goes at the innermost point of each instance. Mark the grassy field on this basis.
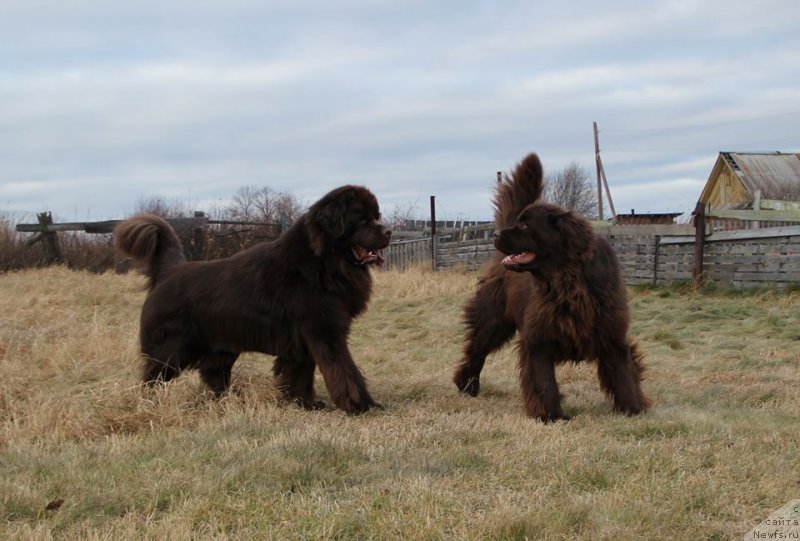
(716, 455)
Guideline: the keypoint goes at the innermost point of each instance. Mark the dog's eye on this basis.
(522, 227)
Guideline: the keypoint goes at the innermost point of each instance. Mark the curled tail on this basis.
(515, 193)
(152, 243)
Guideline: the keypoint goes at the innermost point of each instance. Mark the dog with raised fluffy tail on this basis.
(559, 285)
(294, 298)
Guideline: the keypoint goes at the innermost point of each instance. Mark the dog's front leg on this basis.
(345, 383)
(539, 386)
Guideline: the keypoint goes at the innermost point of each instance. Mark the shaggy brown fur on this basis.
(294, 298)
(559, 284)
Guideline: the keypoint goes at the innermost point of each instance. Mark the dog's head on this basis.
(546, 239)
(348, 220)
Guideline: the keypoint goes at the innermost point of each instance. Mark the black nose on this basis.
(387, 232)
(496, 234)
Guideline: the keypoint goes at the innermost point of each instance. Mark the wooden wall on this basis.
(759, 257)
(649, 255)
(405, 254)
(464, 255)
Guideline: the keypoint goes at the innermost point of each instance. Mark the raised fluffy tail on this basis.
(515, 193)
(152, 243)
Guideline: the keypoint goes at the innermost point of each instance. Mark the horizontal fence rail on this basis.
(201, 238)
(647, 254)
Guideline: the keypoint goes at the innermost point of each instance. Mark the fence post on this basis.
(756, 224)
(52, 251)
(434, 240)
(655, 260)
(198, 237)
(699, 241)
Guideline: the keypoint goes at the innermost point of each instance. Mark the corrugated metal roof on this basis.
(769, 172)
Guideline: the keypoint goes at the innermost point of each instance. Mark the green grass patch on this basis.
(716, 454)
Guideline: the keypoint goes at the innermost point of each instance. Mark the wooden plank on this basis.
(101, 227)
(763, 233)
(467, 250)
(677, 239)
(38, 228)
(774, 215)
(474, 242)
(645, 230)
(757, 267)
(775, 204)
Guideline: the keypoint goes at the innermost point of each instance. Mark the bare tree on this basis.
(787, 190)
(400, 215)
(158, 205)
(572, 188)
(265, 205)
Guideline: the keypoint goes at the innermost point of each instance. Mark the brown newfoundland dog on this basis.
(294, 298)
(559, 285)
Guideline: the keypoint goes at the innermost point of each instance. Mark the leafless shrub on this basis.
(402, 213)
(263, 205)
(160, 206)
(787, 191)
(14, 253)
(571, 187)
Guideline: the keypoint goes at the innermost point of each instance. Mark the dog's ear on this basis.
(576, 233)
(327, 221)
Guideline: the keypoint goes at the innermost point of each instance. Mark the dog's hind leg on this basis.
(294, 377)
(215, 370)
(161, 362)
(488, 330)
(620, 374)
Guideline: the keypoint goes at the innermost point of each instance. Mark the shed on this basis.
(736, 176)
(646, 219)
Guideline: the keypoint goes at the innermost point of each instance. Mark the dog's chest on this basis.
(566, 317)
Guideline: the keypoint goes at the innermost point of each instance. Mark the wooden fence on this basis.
(198, 238)
(405, 254)
(648, 254)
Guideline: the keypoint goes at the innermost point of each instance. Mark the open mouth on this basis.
(518, 260)
(366, 257)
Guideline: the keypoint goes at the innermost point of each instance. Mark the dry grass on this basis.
(716, 455)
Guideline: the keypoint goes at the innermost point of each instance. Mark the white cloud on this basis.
(107, 102)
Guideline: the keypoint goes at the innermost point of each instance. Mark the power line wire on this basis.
(701, 149)
(696, 126)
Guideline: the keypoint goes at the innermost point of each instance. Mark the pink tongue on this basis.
(368, 257)
(519, 259)
(374, 257)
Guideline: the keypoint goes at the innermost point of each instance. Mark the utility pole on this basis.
(597, 164)
(434, 238)
(601, 179)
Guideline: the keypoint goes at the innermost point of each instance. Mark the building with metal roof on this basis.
(737, 176)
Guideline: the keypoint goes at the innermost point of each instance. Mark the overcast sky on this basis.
(103, 103)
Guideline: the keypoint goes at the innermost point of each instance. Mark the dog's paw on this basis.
(631, 411)
(362, 405)
(470, 385)
(312, 405)
(547, 419)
